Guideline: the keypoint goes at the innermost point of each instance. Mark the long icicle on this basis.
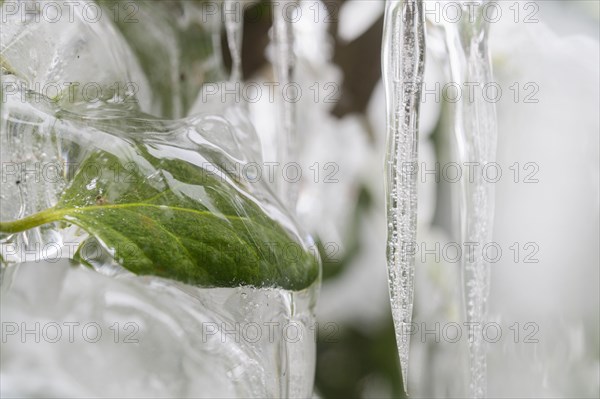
(480, 131)
(403, 64)
(476, 135)
(234, 27)
(284, 61)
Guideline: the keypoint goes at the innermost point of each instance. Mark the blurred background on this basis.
(544, 289)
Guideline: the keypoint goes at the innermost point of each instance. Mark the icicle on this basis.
(476, 134)
(478, 202)
(234, 26)
(403, 63)
(284, 62)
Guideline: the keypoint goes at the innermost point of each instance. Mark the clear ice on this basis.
(131, 336)
(475, 130)
(234, 26)
(403, 65)
(284, 61)
(188, 345)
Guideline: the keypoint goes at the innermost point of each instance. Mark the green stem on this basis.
(47, 216)
(54, 215)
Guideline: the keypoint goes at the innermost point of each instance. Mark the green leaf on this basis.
(173, 219)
